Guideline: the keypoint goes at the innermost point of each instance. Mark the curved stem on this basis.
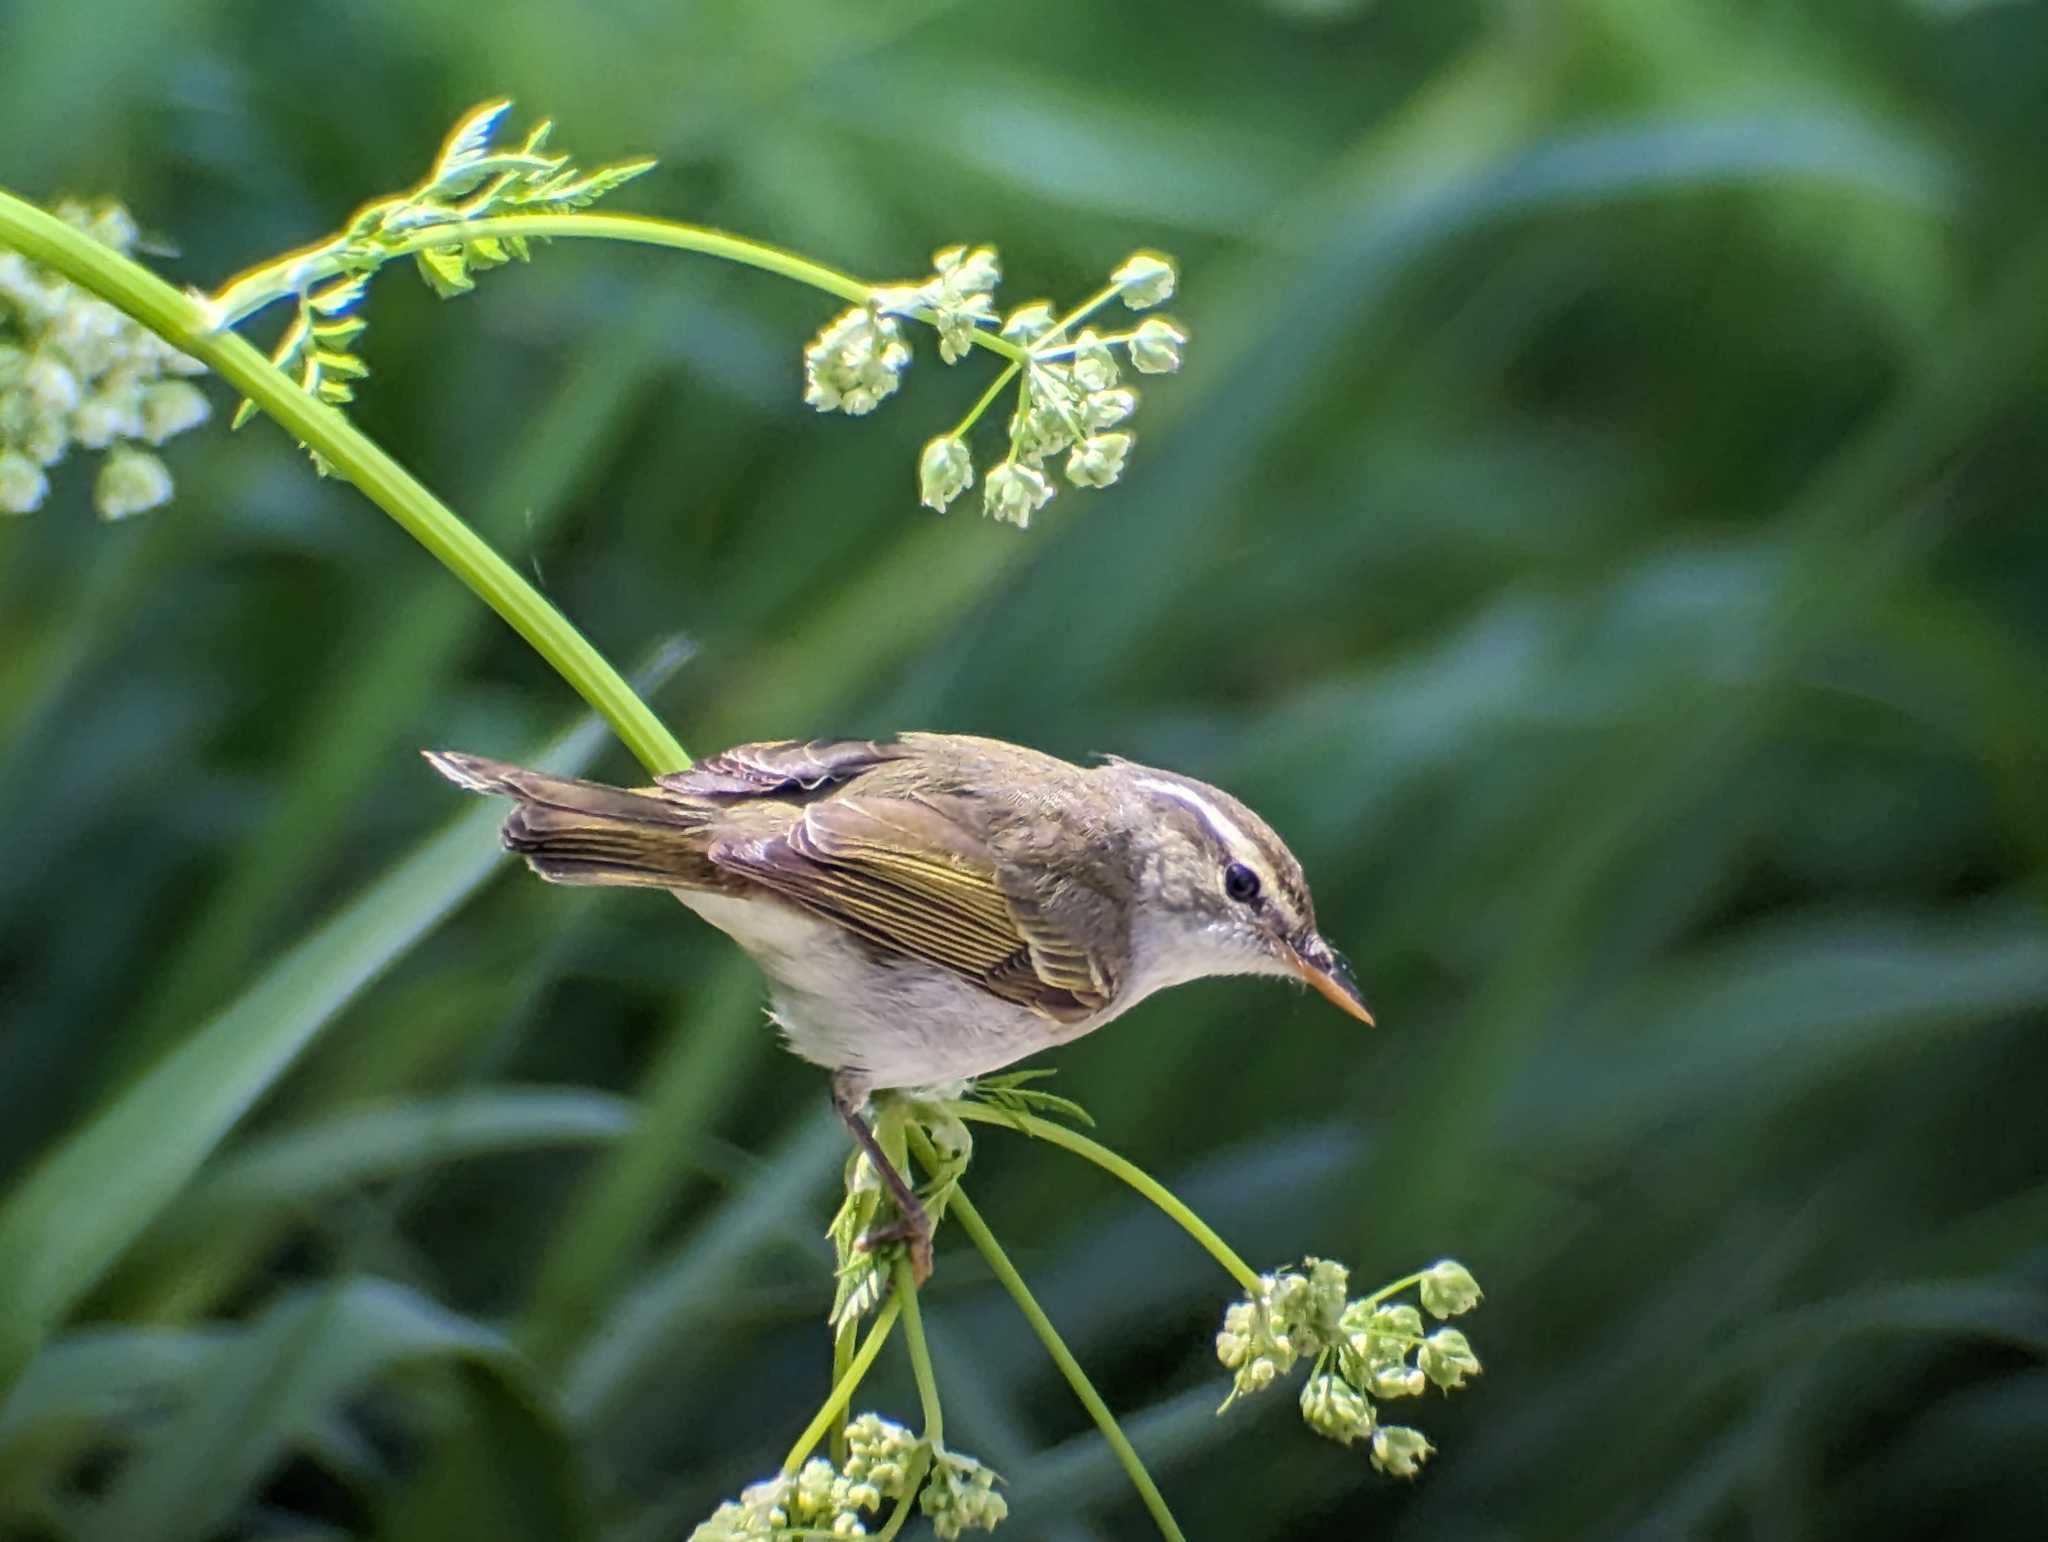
(843, 1389)
(934, 1432)
(249, 292)
(920, 1355)
(1126, 1455)
(1129, 1172)
(188, 323)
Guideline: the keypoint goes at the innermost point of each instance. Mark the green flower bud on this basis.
(944, 472)
(170, 407)
(1399, 1451)
(961, 1496)
(1388, 1382)
(1448, 1289)
(1335, 1409)
(1328, 1281)
(1013, 493)
(1098, 461)
(22, 483)
(1447, 1359)
(1155, 346)
(1145, 279)
(130, 482)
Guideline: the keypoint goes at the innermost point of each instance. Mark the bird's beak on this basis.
(1329, 974)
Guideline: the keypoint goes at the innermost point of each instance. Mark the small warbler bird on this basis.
(932, 907)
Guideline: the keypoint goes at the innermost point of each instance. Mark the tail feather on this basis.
(578, 832)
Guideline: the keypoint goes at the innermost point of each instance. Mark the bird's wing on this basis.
(785, 768)
(905, 877)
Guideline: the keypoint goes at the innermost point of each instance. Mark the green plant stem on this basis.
(988, 399)
(249, 292)
(1126, 1455)
(934, 1432)
(844, 1339)
(844, 1388)
(188, 323)
(920, 1464)
(1129, 1172)
(920, 1354)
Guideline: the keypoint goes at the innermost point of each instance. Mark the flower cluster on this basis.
(74, 371)
(820, 1498)
(1070, 399)
(883, 1466)
(961, 1496)
(1363, 1349)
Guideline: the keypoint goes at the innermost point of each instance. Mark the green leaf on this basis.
(78, 1210)
(445, 269)
(472, 132)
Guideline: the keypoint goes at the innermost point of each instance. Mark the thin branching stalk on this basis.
(1129, 1172)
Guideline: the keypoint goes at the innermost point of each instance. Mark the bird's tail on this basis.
(572, 831)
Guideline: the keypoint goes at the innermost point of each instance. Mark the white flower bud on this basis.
(22, 483)
(1027, 323)
(1013, 493)
(170, 407)
(1106, 409)
(1145, 279)
(50, 386)
(944, 472)
(1448, 1289)
(855, 362)
(1094, 365)
(130, 482)
(1155, 346)
(1399, 1450)
(1098, 461)
(968, 272)
(108, 416)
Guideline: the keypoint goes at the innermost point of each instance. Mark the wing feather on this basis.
(910, 880)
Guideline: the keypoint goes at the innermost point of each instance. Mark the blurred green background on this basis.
(1599, 524)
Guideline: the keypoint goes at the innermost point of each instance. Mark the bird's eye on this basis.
(1241, 883)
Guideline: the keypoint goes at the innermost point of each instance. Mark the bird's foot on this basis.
(912, 1227)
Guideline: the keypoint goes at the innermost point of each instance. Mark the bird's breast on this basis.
(897, 1022)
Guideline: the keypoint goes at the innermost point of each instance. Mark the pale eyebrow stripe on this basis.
(1227, 834)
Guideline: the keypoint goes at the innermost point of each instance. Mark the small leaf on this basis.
(445, 270)
(472, 132)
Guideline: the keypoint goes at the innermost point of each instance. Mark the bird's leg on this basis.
(912, 1225)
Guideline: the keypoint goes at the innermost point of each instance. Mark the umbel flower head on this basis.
(1069, 401)
(882, 1463)
(77, 373)
(1371, 1348)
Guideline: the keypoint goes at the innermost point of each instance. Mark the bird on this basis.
(933, 907)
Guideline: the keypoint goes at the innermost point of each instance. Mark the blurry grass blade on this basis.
(711, 1048)
(400, 657)
(652, 1326)
(71, 1393)
(274, 1385)
(279, 1175)
(79, 1208)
